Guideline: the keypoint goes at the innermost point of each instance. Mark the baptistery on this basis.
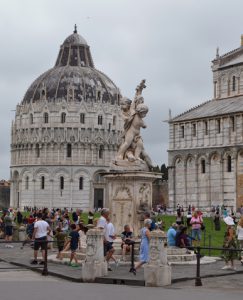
(65, 133)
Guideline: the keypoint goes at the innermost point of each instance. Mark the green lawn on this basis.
(210, 237)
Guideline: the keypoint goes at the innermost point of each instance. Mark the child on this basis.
(74, 245)
(60, 237)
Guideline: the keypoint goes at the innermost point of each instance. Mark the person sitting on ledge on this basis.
(127, 240)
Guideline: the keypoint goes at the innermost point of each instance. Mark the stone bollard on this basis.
(95, 264)
(15, 232)
(157, 272)
(22, 233)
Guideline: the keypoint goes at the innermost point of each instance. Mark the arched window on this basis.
(233, 83)
(98, 95)
(206, 127)
(100, 120)
(42, 182)
(70, 94)
(37, 149)
(61, 183)
(101, 152)
(63, 117)
(194, 129)
(82, 118)
(31, 119)
(182, 131)
(114, 120)
(232, 123)
(203, 166)
(27, 183)
(43, 93)
(46, 118)
(218, 126)
(229, 163)
(69, 150)
(81, 181)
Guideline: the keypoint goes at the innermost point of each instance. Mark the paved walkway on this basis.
(180, 273)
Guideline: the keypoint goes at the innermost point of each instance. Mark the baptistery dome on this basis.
(66, 131)
(74, 69)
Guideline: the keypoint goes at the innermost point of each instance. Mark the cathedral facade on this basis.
(65, 133)
(206, 142)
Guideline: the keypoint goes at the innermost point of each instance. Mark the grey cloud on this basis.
(169, 42)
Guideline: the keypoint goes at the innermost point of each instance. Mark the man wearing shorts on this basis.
(102, 224)
(8, 229)
(127, 240)
(74, 245)
(41, 230)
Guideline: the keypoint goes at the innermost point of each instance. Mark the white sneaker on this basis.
(117, 263)
(225, 268)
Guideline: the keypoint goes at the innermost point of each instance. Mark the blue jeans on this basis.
(196, 234)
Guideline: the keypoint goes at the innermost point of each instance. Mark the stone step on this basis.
(170, 257)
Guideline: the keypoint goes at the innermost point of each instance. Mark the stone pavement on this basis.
(182, 275)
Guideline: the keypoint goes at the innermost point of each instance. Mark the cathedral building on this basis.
(206, 142)
(65, 133)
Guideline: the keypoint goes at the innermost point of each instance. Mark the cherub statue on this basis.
(133, 112)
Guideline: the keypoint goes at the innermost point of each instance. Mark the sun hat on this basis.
(229, 221)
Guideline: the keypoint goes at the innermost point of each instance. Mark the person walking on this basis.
(230, 243)
(74, 245)
(144, 246)
(109, 238)
(239, 233)
(41, 230)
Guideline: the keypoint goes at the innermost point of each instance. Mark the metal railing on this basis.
(198, 279)
(45, 267)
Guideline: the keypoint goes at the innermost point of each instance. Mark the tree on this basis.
(164, 171)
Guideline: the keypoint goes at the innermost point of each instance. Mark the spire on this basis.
(170, 115)
(217, 52)
(75, 29)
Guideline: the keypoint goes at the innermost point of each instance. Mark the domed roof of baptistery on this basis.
(74, 70)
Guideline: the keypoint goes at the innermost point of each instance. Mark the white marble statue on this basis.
(131, 149)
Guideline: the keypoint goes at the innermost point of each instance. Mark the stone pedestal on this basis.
(157, 272)
(22, 233)
(94, 265)
(129, 195)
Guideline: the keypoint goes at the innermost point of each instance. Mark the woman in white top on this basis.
(239, 233)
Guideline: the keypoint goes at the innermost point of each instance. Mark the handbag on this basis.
(203, 226)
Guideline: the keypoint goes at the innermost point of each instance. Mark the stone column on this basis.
(94, 265)
(157, 272)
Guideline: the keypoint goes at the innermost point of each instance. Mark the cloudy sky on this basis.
(170, 43)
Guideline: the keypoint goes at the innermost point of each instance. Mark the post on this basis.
(45, 269)
(157, 272)
(209, 244)
(132, 258)
(198, 281)
(95, 264)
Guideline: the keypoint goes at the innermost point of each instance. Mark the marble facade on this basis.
(206, 143)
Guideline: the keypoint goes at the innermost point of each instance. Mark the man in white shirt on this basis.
(102, 224)
(109, 239)
(41, 230)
